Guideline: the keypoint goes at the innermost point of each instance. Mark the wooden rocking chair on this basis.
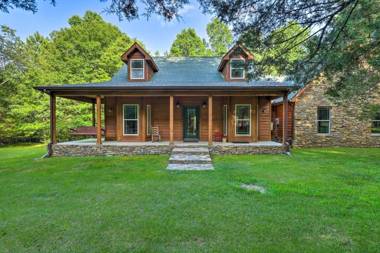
(156, 134)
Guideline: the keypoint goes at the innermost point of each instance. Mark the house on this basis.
(317, 120)
(189, 99)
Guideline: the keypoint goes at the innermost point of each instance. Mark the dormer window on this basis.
(137, 69)
(237, 69)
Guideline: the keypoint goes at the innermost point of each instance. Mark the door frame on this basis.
(184, 108)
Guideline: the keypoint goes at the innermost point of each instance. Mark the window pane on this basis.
(242, 112)
(237, 73)
(138, 64)
(323, 127)
(130, 127)
(375, 127)
(377, 116)
(237, 64)
(323, 113)
(242, 127)
(137, 74)
(130, 112)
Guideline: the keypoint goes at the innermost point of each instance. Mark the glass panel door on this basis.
(190, 123)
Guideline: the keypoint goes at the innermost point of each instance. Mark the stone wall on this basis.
(111, 150)
(104, 150)
(236, 149)
(348, 127)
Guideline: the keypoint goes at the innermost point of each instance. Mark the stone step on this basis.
(191, 145)
(176, 166)
(190, 159)
(198, 151)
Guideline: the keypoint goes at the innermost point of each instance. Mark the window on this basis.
(243, 120)
(237, 69)
(148, 120)
(375, 128)
(137, 69)
(225, 120)
(131, 119)
(323, 120)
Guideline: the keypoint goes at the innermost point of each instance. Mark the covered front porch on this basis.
(234, 122)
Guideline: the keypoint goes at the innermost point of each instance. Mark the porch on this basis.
(89, 147)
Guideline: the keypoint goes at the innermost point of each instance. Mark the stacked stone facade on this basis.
(348, 126)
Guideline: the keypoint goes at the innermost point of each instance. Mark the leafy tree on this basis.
(275, 60)
(220, 37)
(87, 51)
(188, 43)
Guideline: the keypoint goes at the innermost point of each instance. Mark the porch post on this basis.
(53, 128)
(285, 118)
(171, 119)
(209, 120)
(93, 114)
(99, 120)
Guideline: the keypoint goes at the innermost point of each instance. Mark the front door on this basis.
(191, 123)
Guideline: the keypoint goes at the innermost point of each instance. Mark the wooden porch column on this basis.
(99, 120)
(210, 120)
(171, 119)
(93, 115)
(53, 118)
(285, 118)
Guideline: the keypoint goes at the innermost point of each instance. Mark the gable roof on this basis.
(136, 47)
(227, 55)
(182, 73)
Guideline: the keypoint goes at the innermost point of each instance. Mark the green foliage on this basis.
(275, 59)
(353, 63)
(220, 37)
(87, 51)
(188, 43)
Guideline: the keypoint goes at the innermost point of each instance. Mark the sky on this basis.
(155, 33)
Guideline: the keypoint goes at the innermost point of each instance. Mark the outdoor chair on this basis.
(156, 134)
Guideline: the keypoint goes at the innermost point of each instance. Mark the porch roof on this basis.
(178, 73)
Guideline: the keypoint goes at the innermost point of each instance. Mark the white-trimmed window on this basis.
(225, 120)
(323, 120)
(375, 127)
(148, 120)
(131, 119)
(243, 120)
(137, 69)
(237, 69)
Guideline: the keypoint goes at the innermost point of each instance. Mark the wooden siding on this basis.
(265, 119)
(277, 112)
(160, 117)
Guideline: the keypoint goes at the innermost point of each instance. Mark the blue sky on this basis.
(155, 33)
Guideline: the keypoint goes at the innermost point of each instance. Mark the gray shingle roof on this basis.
(183, 72)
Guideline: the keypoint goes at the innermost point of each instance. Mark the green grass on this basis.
(318, 200)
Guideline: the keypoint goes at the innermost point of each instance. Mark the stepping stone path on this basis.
(186, 156)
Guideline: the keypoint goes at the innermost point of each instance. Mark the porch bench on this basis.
(85, 131)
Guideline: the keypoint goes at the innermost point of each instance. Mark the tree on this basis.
(87, 51)
(275, 60)
(188, 43)
(220, 37)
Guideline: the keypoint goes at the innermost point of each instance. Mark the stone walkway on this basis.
(190, 157)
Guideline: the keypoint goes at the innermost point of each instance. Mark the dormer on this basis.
(140, 64)
(233, 65)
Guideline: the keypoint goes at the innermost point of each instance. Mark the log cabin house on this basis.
(189, 99)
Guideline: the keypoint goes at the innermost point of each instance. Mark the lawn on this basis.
(317, 200)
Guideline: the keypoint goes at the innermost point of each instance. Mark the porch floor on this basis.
(92, 141)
